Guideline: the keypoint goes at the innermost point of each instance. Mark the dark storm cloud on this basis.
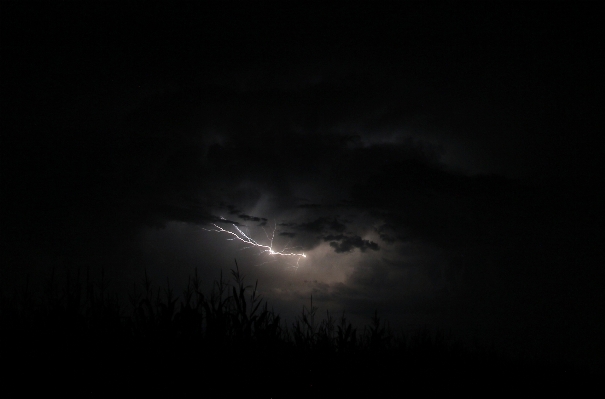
(447, 208)
(233, 210)
(343, 243)
(386, 233)
(177, 143)
(321, 224)
(309, 206)
(253, 218)
(308, 235)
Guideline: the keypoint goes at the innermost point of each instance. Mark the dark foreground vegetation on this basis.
(80, 340)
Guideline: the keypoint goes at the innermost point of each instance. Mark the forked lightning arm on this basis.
(243, 237)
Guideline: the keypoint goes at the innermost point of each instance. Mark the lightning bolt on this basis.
(239, 235)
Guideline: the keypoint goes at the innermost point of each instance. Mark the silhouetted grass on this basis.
(81, 339)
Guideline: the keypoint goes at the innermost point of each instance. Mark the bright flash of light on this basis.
(238, 234)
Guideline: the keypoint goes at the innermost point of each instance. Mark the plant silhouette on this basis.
(80, 339)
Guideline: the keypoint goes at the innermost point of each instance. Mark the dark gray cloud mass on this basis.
(438, 163)
(343, 243)
(320, 224)
(262, 221)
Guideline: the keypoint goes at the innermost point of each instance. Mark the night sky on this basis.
(439, 163)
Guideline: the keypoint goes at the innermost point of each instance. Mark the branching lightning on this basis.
(238, 234)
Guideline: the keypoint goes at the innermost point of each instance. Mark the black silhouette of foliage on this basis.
(80, 339)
